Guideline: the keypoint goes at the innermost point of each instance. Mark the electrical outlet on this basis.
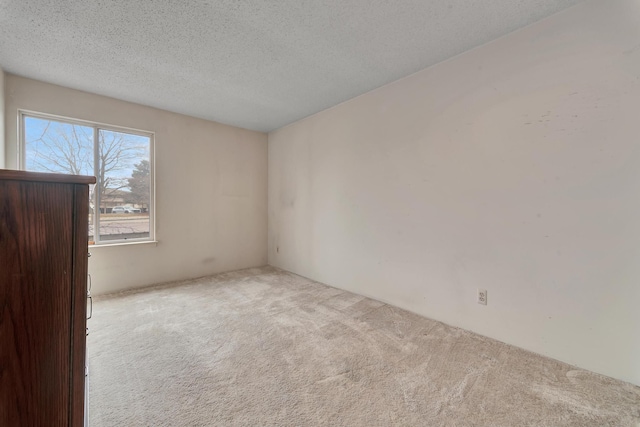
(482, 296)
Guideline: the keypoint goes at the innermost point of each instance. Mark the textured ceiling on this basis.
(254, 64)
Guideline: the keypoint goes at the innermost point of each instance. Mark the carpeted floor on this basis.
(263, 347)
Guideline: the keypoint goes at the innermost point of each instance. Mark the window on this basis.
(121, 201)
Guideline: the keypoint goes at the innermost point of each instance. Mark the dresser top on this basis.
(15, 175)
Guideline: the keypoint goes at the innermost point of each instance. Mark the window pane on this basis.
(120, 201)
(52, 146)
(124, 185)
(58, 147)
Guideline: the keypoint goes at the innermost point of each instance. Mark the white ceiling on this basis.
(255, 64)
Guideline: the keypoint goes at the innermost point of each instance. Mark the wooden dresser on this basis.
(43, 291)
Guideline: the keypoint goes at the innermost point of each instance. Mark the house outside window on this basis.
(121, 202)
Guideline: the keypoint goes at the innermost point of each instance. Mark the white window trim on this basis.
(21, 161)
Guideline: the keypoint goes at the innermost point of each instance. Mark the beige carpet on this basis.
(263, 347)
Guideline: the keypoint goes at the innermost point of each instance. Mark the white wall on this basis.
(211, 192)
(514, 167)
(2, 127)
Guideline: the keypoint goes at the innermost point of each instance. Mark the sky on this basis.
(54, 146)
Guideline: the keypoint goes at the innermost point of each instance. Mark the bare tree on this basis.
(69, 148)
(117, 155)
(59, 149)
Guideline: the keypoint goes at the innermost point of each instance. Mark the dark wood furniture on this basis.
(43, 306)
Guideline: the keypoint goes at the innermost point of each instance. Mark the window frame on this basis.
(97, 126)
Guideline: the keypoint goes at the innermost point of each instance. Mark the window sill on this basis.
(109, 245)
